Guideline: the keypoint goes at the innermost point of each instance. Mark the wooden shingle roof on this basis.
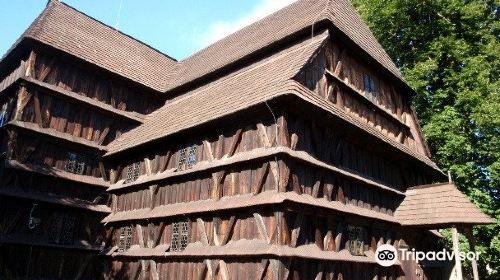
(436, 205)
(71, 31)
(261, 81)
(301, 15)
(74, 32)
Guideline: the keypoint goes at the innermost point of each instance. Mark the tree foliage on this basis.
(448, 51)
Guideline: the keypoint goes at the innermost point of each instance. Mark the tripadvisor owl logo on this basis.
(386, 255)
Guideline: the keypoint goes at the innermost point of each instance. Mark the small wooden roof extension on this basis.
(439, 205)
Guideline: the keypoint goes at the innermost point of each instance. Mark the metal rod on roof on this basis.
(450, 180)
(117, 26)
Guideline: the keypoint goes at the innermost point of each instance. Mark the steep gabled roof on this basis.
(298, 16)
(438, 204)
(71, 31)
(247, 87)
(74, 32)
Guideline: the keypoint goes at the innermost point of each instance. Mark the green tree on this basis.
(448, 51)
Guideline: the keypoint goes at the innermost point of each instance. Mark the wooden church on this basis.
(287, 150)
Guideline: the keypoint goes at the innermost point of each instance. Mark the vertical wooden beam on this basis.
(261, 175)
(140, 235)
(284, 176)
(103, 171)
(147, 163)
(22, 100)
(317, 184)
(261, 226)
(296, 229)
(154, 270)
(284, 135)
(207, 147)
(153, 189)
(338, 68)
(230, 227)
(114, 203)
(161, 228)
(472, 246)
(294, 140)
(204, 240)
(321, 268)
(202, 231)
(234, 142)
(458, 263)
(30, 66)
(261, 272)
(261, 130)
(38, 111)
(46, 71)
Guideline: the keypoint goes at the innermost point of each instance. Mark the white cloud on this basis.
(220, 29)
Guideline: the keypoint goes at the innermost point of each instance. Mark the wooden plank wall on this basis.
(48, 111)
(17, 213)
(243, 269)
(13, 76)
(47, 263)
(319, 184)
(209, 148)
(328, 232)
(337, 148)
(234, 226)
(389, 113)
(8, 100)
(33, 182)
(34, 150)
(94, 84)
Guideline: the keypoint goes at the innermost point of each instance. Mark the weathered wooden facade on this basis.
(59, 111)
(291, 157)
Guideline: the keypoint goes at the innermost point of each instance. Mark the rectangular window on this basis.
(191, 160)
(370, 88)
(62, 229)
(180, 236)
(2, 118)
(125, 238)
(75, 163)
(355, 243)
(174, 243)
(182, 159)
(3, 113)
(133, 171)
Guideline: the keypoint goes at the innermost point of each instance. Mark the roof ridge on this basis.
(248, 26)
(431, 185)
(56, 2)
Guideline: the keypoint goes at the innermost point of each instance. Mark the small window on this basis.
(355, 243)
(182, 159)
(133, 171)
(2, 118)
(75, 163)
(62, 229)
(3, 114)
(191, 160)
(125, 238)
(180, 236)
(370, 88)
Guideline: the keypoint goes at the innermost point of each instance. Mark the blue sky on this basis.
(175, 27)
